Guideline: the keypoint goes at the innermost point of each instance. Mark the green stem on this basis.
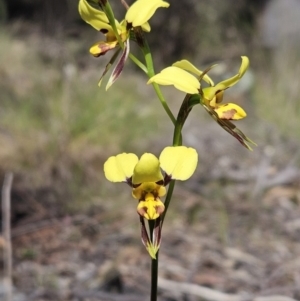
(111, 18)
(154, 278)
(184, 111)
(142, 42)
(138, 63)
(186, 107)
(163, 102)
(168, 200)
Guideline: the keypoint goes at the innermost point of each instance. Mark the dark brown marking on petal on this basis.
(129, 182)
(135, 185)
(160, 209)
(156, 235)
(167, 179)
(109, 64)
(104, 31)
(228, 115)
(142, 211)
(103, 49)
(120, 64)
(161, 182)
(144, 234)
(230, 128)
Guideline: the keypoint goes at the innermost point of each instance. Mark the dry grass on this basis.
(277, 90)
(56, 124)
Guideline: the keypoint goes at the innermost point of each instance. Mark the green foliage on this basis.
(277, 92)
(56, 125)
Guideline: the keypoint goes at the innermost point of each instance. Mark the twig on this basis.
(196, 290)
(125, 4)
(7, 252)
(34, 227)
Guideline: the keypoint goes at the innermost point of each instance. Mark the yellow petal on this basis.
(233, 80)
(142, 10)
(147, 170)
(151, 208)
(119, 168)
(102, 47)
(93, 16)
(209, 94)
(148, 187)
(179, 162)
(146, 27)
(230, 111)
(152, 187)
(186, 65)
(178, 77)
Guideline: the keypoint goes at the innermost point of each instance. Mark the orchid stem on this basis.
(110, 15)
(138, 63)
(150, 66)
(154, 278)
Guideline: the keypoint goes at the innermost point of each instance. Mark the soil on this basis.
(243, 247)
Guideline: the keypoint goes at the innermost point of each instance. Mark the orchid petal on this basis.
(101, 47)
(119, 66)
(186, 65)
(151, 208)
(147, 170)
(230, 128)
(142, 10)
(96, 18)
(233, 80)
(230, 111)
(152, 248)
(120, 168)
(146, 27)
(181, 79)
(138, 192)
(109, 65)
(179, 162)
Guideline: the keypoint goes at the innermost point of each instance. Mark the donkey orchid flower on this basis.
(148, 177)
(137, 15)
(179, 75)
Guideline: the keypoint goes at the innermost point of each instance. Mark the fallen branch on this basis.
(178, 288)
(197, 290)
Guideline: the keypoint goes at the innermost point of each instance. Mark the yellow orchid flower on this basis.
(148, 177)
(98, 19)
(179, 75)
(145, 175)
(213, 96)
(137, 15)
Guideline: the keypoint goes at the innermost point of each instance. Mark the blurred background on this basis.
(75, 236)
